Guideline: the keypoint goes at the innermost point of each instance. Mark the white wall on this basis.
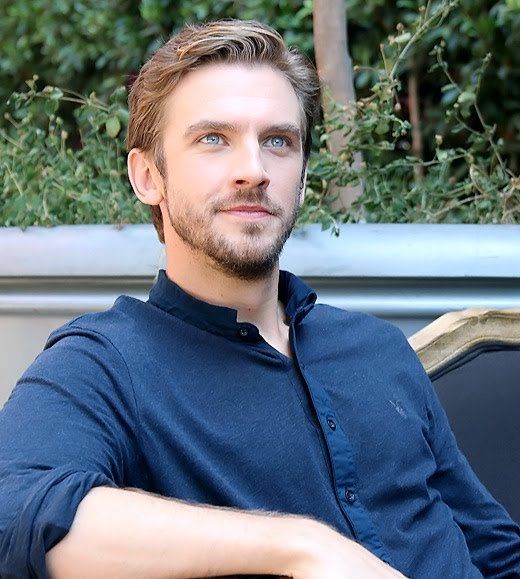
(407, 274)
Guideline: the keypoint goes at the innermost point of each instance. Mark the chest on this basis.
(219, 433)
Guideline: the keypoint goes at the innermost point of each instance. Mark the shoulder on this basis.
(120, 339)
(365, 340)
(371, 349)
(116, 325)
(365, 327)
(86, 359)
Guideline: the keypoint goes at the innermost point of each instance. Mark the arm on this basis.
(136, 535)
(67, 427)
(127, 534)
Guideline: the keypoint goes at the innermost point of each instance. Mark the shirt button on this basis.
(331, 423)
(350, 496)
(243, 332)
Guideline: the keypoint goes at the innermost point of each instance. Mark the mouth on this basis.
(249, 212)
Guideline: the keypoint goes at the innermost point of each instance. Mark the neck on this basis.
(256, 301)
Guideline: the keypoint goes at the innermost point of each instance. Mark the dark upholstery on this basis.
(480, 391)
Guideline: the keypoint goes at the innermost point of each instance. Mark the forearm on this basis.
(128, 534)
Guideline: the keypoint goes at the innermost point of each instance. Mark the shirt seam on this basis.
(432, 430)
(137, 413)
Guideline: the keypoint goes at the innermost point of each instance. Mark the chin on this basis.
(247, 260)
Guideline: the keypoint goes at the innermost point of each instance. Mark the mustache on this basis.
(255, 196)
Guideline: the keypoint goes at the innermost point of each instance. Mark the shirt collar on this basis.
(297, 297)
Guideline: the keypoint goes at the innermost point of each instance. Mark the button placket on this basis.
(344, 475)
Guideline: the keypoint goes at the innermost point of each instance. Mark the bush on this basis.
(466, 183)
(88, 45)
(61, 153)
(46, 181)
(474, 29)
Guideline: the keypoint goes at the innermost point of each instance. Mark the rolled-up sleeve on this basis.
(68, 426)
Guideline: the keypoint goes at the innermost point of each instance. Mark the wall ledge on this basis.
(361, 250)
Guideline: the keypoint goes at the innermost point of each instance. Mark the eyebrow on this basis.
(217, 126)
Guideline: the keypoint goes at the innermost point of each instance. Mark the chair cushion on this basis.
(480, 391)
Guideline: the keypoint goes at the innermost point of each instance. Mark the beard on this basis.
(250, 255)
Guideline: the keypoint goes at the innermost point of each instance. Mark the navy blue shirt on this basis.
(178, 398)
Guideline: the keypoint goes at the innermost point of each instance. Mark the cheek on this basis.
(204, 176)
(287, 179)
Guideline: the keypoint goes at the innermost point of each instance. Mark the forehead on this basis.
(245, 95)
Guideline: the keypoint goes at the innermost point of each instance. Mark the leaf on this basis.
(449, 96)
(113, 126)
(50, 106)
(56, 94)
(448, 87)
(363, 78)
(467, 97)
(402, 38)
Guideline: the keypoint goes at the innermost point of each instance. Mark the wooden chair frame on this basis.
(454, 333)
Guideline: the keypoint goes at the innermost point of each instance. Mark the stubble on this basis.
(252, 255)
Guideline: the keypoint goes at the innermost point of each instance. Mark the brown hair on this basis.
(223, 41)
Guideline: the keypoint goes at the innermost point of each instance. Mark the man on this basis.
(229, 426)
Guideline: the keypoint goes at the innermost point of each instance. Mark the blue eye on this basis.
(278, 141)
(211, 139)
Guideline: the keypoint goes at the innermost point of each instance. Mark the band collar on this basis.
(297, 297)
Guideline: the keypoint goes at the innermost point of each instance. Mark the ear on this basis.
(303, 184)
(145, 178)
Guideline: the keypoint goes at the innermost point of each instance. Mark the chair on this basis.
(473, 360)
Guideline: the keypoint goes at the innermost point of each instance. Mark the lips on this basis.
(248, 209)
(248, 212)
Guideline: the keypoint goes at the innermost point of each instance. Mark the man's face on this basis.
(233, 156)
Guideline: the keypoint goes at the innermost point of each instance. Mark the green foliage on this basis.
(81, 44)
(470, 184)
(473, 29)
(46, 181)
(62, 154)
(89, 45)
(71, 168)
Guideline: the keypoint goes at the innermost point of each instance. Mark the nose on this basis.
(249, 170)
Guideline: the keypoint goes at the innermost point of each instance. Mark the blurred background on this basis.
(433, 87)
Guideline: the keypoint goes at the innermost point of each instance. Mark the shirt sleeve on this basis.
(493, 539)
(67, 427)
